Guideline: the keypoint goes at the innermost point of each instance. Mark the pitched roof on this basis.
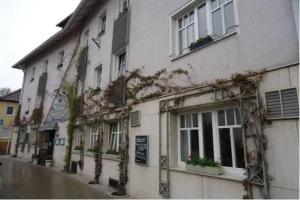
(69, 26)
(14, 96)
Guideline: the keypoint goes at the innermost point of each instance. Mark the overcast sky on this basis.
(25, 24)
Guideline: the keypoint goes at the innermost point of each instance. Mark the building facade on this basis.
(8, 111)
(157, 85)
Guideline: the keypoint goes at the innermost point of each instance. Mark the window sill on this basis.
(174, 58)
(232, 177)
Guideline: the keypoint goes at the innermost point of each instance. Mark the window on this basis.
(123, 5)
(61, 55)
(231, 138)
(94, 137)
(28, 105)
(215, 135)
(211, 17)
(1, 122)
(115, 137)
(86, 37)
(45, 66)
(102, 24)
(282, 103)
(122, 65)
(98, 73)
(135, 118)
(10, 110)
(32, 74)
(79, 138)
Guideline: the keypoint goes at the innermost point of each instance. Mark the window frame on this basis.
(193, 6)
(32, 74)
(116, 135)
(1, 124)
(79, 138)
(60, 59)
(98, 76)
(13, 110)
(93, 137)
(216, 139)
(102, 24)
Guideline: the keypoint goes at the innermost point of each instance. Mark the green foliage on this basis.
(203, 162)
(17, 118)
(92, 150)
(37, 115)
(114, 152)
(73, 105)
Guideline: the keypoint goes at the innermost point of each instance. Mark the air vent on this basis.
(135, 118)
(282, 104)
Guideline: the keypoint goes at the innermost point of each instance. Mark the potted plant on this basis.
(91, 150)
(78, 148)
(112, 154)
(204, 165)
(201, 42)
(35, 159)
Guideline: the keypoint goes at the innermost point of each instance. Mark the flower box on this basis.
(201, 42)
(204, 169)
(111, 156)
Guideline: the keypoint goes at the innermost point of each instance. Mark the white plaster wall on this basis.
(103, 55)
(54, 78)
(60, 150)
(266, 38)
(283, 138)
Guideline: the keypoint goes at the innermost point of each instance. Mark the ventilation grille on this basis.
(135, 118)
(282, 104)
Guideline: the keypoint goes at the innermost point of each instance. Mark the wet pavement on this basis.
(23, 180)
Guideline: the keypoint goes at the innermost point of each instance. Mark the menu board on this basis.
(141, 149)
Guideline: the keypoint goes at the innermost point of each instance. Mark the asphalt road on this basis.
(24, 180)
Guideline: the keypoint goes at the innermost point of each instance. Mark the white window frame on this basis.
(102, 24)
(193, 6)
(124, 64)
(13, 112)
(115, 135)
(216, 141)
(93, 136)
(79, 138)
(98, 76)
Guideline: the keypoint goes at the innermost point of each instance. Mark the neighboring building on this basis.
(230, 94)
(8, 111)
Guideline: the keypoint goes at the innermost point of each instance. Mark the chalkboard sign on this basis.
(141, 149)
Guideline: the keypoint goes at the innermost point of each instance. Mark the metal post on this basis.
(261, 148)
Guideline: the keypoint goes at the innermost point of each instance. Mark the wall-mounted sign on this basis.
(141, 149)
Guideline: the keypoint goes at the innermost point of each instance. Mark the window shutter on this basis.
(290, 102)
(135, 118)
(273, 104)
